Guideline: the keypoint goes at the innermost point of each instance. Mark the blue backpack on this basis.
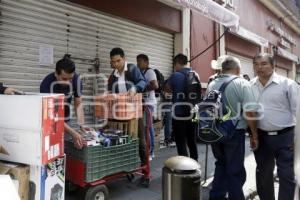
(214, 116)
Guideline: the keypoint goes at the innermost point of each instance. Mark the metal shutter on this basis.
(27, 24)
(246, 64)
(281, 71)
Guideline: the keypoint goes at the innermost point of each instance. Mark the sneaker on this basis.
(170, 142)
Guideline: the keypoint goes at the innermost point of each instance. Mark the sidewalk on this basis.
(122, 189)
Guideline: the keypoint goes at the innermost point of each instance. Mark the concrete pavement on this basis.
(122, 189)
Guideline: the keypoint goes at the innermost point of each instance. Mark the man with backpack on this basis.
(237, 99)
(127, 77)
(149, 94)
(183, 101)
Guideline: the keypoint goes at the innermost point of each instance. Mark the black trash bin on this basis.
(181, 179)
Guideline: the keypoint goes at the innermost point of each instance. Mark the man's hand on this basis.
(11, 91)
(78, 140)
(254, 142)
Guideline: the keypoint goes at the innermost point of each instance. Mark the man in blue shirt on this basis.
(183, 128)
(65, 81)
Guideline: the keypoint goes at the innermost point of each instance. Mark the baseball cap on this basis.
(217, 64)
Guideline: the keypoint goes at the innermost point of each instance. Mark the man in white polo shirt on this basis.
(278, 97)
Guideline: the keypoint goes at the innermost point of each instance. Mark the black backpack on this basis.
(160, 81)
(214, 116)
(193, 89)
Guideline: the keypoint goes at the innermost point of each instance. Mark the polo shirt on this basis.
(49, 85)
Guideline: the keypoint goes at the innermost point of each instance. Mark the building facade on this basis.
(269, 27)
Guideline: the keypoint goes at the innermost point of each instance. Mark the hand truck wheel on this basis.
(130, 177)
(99, 192)
(145, 182)
(70, 187)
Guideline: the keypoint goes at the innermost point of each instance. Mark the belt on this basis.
(273, 133)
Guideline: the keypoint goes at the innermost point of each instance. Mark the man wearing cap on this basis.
(216, 65)
(230, 174)
(278, 97)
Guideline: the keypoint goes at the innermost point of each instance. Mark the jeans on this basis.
(230, 173)
(149, 118)
(167, 121)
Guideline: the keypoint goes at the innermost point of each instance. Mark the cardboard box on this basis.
(49, 180)
(19, 174)
(31, 128)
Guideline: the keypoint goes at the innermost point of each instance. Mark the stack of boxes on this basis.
(32, 137)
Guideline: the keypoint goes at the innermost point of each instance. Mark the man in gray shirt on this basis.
(230, 174)
(278, 97)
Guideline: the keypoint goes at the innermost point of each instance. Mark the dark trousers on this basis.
(279, 149)
(185, 135)
(230, 173)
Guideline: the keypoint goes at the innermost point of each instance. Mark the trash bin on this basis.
(181, 179)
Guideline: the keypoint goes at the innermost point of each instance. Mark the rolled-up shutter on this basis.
(84, 33)
(246, 64)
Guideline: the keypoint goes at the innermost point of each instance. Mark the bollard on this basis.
(181, 179)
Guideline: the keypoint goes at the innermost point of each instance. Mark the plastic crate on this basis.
(104, 161)
(119, 106)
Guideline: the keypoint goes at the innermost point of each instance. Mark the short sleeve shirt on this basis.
(49, 85)
(150, 96)
(240, 97)
(177, 83)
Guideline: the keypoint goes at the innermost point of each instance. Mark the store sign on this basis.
(213, 11)
(283, 34)
(284, 43)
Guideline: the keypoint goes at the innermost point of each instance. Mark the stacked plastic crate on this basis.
(93, 163)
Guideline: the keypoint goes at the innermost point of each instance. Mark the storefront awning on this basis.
(287, 55)
(213, 11)
(250, 36)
